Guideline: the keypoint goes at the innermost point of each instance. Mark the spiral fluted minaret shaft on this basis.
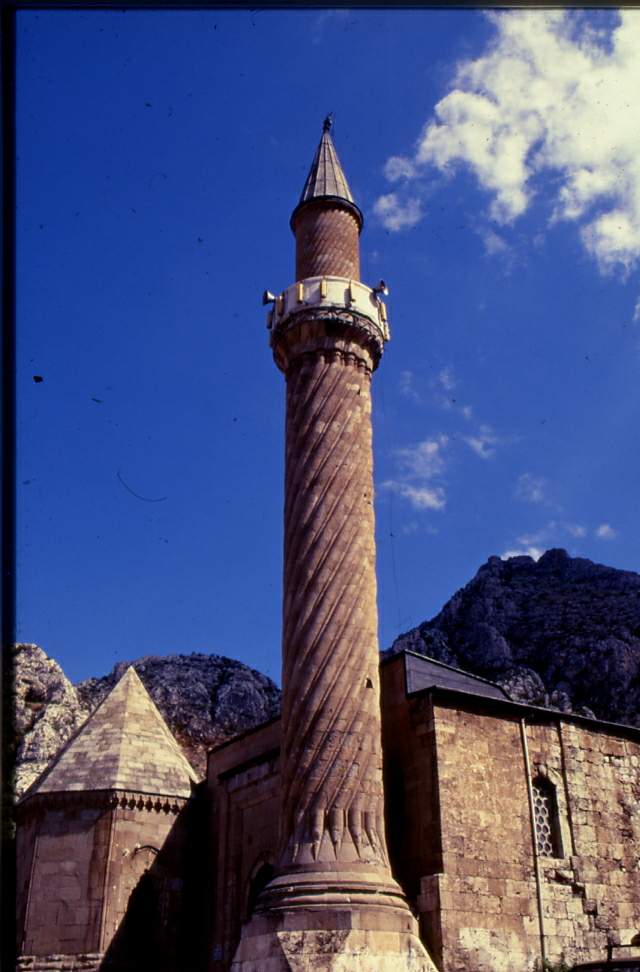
(332, 767)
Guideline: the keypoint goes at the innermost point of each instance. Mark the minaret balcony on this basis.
(330, 298)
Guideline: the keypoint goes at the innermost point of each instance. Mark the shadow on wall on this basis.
(162, 928)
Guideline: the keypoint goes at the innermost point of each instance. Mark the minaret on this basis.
(333, 902)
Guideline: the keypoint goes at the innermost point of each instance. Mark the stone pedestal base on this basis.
(337, 939)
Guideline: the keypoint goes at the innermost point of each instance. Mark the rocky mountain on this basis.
(562, 632)
(205, 699)
(47, 710)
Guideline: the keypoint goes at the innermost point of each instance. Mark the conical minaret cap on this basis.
(326, 179)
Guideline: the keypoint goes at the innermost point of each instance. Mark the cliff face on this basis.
(47, 710)
(204, 699)
(562, 632)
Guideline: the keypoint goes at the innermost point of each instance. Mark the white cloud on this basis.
(484, 443)
(531, 488)
(549, 95)
(493, 243)
(444, 383)
(425, 460)
(636, 312)
(397, 168)
(408, 528)
(407, 387)
(551, 534)
(447, 378)
(531, 539)
(534, 552)
(606, 532)
(551, 531)
(420, 497)
(419, 465)
(576, 530)
(442, 398)
(397, 215)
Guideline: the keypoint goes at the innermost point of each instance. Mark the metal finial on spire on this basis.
(328, 122)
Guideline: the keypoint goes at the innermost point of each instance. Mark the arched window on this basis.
(545, 808)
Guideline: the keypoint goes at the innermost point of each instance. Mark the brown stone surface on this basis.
(97, 870)
(332, 870)
(332, 818)
(137, 838)
(413, 809)
(327, 242)
(61, 867)
(313, 948)
(461, 837)
(459, 829)
(243, 788)
(101, 843)
(332, 784)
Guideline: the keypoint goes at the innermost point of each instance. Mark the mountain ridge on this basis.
(563, 632)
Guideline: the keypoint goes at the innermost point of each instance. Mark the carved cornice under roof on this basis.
(107, 799)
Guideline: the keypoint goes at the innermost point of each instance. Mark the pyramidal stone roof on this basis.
(125, 744)
(326, 177)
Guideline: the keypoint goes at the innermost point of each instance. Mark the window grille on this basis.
(545, 809)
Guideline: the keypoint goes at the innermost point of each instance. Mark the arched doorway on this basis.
(262, 874)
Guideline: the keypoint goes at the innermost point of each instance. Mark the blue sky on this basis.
(160, 154)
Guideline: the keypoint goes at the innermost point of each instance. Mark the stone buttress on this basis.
(333, 903)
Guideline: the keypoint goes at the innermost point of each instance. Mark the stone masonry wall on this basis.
(459, 830)
(411, 796)
(486, 893)
(485, 898)
(596, 888)
(99, 880)
(138, 835)
(25, 848)
(243, 784)
(62, 912)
